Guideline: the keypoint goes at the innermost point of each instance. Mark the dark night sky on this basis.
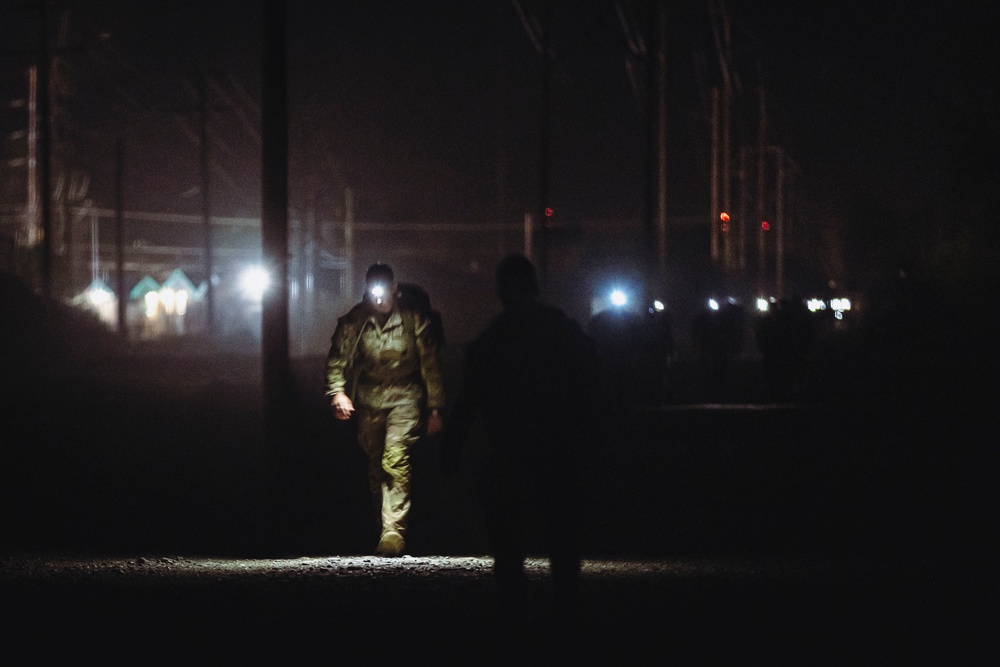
(430, 110)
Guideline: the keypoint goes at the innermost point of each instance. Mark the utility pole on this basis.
(276, 378)
(727, 169)
(206, 207)
(779, 226)
(307, 292)
(761, 232)
(347, 284)
(744, 212)
(45, 146)
(120, 237)
(33, 216)
(714, 210)
(722, 117)
(545, 148)
(660, 54)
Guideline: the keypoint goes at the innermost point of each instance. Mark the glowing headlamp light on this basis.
(378, 293)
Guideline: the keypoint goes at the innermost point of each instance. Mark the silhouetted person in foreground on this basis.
(531, 377)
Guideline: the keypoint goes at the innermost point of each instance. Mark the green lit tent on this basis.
(142, 288)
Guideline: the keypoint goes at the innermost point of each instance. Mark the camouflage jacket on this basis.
(383, 366)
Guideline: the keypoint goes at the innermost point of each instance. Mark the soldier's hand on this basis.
(434, 423)
(343, 408)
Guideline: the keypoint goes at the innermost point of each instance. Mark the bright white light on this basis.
(181, 301)
(152, 303)
(378, 291)
(763, 305)
(254, 281)
(618, 298)
(99, 297)
(658, 306)
(840, 304)
(167, 295)
(815, 304)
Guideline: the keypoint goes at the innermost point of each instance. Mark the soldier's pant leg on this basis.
(403, 427)
(371, 438)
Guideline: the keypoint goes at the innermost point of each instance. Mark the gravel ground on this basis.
(325, 610)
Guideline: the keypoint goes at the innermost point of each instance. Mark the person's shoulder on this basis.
(557, 317)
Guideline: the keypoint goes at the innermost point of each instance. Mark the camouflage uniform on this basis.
(392, 373)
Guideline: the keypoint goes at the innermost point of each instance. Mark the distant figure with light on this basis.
(385, 365)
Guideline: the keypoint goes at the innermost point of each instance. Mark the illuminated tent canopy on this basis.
(178, 281)
(142, 288)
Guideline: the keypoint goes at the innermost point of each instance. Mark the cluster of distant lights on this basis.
(619, 299)
(173, 301)
(838, 306)
(254, 281)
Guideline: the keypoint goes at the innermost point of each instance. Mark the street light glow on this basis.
(254, 281)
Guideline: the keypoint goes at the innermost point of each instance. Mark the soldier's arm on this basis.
(338, 357)
(431, 366)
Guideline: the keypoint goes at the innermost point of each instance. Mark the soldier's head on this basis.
(380, 288)
(517, 282)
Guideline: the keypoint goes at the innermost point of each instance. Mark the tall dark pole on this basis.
(660, 55)
(206, 202)
(45, 147)
(655, 253)
(761, 238)
(120, 236)
(545, 150)
(274, 220)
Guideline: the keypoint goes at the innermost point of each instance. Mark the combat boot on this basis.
(391, 545)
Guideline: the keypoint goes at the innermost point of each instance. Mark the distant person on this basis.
(385, 364)
(718, 339)
(619, 336)
(531, 376)
(783, 339)
(634, 349)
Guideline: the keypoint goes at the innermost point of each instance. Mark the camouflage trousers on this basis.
(386, 436)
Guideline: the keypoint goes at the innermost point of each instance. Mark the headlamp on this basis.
(378, 292)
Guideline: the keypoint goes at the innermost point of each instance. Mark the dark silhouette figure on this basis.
(783, 338)
(634, 349)
(530, 376)
(718, 338)
(620, 338)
